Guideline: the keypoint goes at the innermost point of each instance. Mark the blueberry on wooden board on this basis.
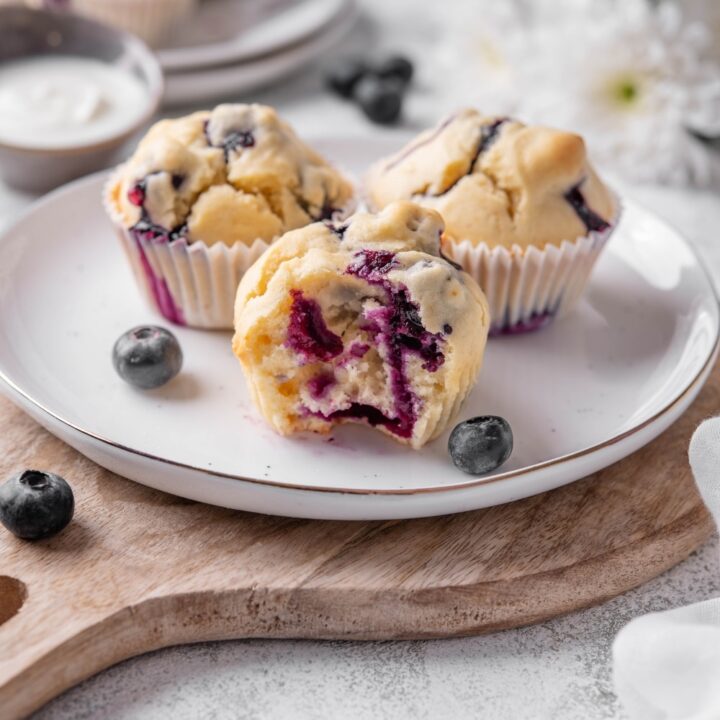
(35, 504)
(481, 444)
(147, 356)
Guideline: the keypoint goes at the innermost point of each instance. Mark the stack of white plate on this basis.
(230, 47)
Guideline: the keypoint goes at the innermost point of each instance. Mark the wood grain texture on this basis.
(139, 570)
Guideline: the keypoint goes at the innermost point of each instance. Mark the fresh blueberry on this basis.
(35, 504)
(480, 444)
(147, 356)
(346, 74)
(396, 66)
(380, 98)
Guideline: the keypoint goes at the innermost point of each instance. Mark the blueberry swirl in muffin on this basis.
(362, 321)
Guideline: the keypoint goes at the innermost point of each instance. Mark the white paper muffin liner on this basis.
(527, 287)
(149, 19)
(190, 283)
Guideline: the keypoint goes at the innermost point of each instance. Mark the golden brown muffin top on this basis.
(498, 181)
(234, 174)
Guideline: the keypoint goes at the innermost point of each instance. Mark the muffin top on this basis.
(235, 174)
(498, 181)
(361, 322)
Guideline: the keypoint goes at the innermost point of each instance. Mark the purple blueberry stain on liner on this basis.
(159, 288)
(536, 322)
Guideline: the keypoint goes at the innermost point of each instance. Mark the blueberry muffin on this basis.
(507, 192)
(204, 195)
(361, 321)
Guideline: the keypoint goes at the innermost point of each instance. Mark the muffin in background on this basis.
(203, 196)
(361, 322)
(526, 215)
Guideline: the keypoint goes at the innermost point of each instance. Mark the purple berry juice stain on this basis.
(307, 334)
(319, 384)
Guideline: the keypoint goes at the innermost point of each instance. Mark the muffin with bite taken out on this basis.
(362, 321)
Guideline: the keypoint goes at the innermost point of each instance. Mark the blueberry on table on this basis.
(481, 444)
(35, 504)
(346, 74)
(147, 356)
(396, 66)
(380, 98)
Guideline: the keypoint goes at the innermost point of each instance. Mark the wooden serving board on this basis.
(138, 570)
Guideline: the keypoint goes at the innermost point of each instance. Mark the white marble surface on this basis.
(560, 669)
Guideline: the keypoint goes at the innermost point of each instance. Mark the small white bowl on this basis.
(25, 33)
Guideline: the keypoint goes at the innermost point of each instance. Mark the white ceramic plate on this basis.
(580, 394)
(195, 86)
(225, 31)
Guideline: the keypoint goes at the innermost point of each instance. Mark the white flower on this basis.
(629, 77)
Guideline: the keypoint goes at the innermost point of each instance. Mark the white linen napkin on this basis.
(666, 665)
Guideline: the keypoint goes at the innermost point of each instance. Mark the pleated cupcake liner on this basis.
(527, 287)
(190, 283)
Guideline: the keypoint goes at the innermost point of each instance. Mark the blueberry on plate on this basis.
(147, 356)
(481, 444)
(35, 504)
(380, 98)
(396, 66)
(346, 74)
